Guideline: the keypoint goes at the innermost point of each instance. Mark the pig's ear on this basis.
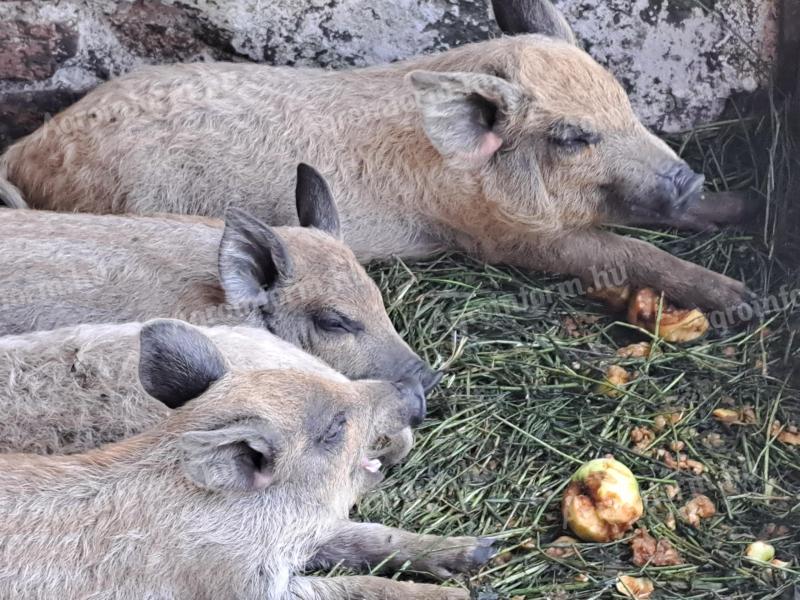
(252, 260)
(237, 457)
(460, 111)
(177, 363)
(315, 205)
(532, 16)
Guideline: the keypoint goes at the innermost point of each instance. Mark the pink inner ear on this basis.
(261, 480)
(490, 143)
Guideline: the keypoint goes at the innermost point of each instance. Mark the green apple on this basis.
(602, 501)
(760, 551)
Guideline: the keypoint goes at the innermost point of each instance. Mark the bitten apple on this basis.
(602, 501)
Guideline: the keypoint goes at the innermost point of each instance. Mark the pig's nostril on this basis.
(687, 182)
(412, 390)
(691, 184)
(681, 187)
(431, 380)
(428, 377)
(419, 409)
(417, 418)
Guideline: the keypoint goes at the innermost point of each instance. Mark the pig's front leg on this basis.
(600, 258)
(368, 545)
(368, 588)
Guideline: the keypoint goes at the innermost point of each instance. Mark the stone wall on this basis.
(680, 61)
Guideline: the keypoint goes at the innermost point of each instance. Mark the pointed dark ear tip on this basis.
(504, 16)
(516, 17)
(152, 327)
(306, 172)
(305, 169)
(252, 256)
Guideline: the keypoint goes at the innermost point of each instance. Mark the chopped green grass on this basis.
(517, 413)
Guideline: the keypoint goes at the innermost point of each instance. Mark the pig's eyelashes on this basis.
(574, 144)
(335, 433)
(572, 137)
(333, 322)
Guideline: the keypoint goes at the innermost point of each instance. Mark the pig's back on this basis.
(197, 138)
(73, 389)
(65, 269)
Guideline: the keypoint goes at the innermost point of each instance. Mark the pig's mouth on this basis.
(387, 450)
(369, 470)
(371, 465)
(692, 193)
(683, 211)
(669, 207)
(391, 449)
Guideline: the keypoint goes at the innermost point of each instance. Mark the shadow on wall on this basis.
(788, 79)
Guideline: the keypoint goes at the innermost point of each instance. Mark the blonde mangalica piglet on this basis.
(244, 485)
(514, 149)
(301, 283)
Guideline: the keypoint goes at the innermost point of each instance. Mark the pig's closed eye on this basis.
(333, 322)
(572, 137)
(335, 433)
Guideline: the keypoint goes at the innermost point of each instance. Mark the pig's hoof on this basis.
(711, 291)
(728, 295)
(486, 549)
(462, 555)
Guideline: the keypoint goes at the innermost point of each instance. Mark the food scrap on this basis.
(642, 438)
(602, 501)
(760, 551)
(661, 422)
(563, 547)
(742, 416)
(640, 350)
(638, 588)
(674, 325)
(649, 551)
(780, 564)
(680, 461)
(616, 377)
(672, 491)
(788, 434)
(698, 508)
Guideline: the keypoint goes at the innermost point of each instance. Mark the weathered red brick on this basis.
(156, 30)
(34, 51)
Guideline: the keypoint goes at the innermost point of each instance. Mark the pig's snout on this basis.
(413, 393)
(683, 185)
(427, 377)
